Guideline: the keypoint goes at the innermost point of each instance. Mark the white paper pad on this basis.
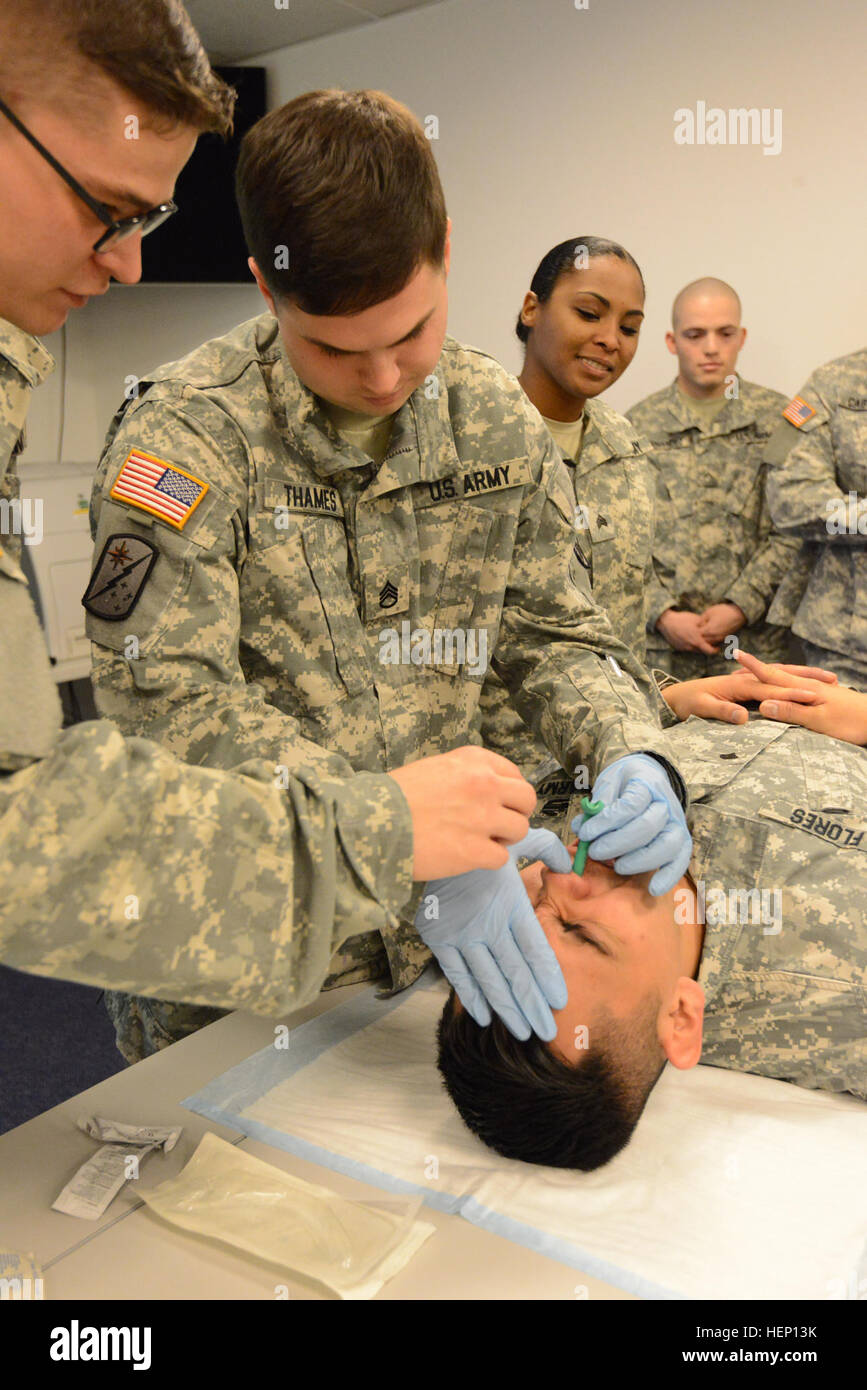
(734, 1186)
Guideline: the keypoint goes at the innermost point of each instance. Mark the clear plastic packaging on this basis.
(352, 1247)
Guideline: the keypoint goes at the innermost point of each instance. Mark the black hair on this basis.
(526, 1102)
(562, 258)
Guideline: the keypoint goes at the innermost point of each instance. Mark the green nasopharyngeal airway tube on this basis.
(590, 808)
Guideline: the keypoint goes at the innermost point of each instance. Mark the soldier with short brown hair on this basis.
(364, 513)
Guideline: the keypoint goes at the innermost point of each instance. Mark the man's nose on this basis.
(123, 260)
(574, 886)
(381, 375)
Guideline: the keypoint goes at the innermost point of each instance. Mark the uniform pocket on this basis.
(327, 571)
(464, 566)
(849, 434)
(466, 584)
(713, 753)
(301, 628)
(826, 774)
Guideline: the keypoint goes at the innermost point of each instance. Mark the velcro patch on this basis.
(798, 412)
(554, 795)
(159, 488)
(831, 823)
(316, 498)
(473, 483)
(119, 577)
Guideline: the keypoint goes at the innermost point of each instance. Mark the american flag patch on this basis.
(797, 412)
(159, 488)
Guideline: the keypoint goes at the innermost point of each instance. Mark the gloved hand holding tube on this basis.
(642, 825)
(490, 945)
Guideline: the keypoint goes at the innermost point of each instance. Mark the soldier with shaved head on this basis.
(717, 558)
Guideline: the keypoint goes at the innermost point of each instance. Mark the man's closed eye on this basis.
(581, 931)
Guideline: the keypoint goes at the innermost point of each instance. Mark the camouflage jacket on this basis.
(29, 704)
(779, 832)
(714, 539)
(817, 460)
(307, 607)
(124, 868)
(613, 482)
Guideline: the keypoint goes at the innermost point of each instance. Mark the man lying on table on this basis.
(754, 961)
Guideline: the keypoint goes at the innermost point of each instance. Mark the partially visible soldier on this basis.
(717, 559)
(122, 866)
(817, 492)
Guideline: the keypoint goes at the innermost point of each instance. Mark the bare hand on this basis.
(466, 806)
(720, 697)
(765, 670)
(815, 703)
(720, 620)
(713, 697)
(683, 632)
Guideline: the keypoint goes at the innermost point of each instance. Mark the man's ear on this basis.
(671, 343)
(680, 1026)
(257, 276)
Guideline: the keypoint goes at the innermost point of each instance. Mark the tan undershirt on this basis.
(704, 411)
(369, 433)
(568, 435)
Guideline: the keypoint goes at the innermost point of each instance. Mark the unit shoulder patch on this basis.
(119, 577)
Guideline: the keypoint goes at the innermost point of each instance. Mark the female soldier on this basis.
(579, 323)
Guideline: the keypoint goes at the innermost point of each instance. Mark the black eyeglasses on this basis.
(142, 222)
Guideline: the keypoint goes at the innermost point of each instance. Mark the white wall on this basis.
(555, 122)
(131, 329)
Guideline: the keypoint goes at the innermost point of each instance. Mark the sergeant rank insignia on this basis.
(388, 595)
(120, 575)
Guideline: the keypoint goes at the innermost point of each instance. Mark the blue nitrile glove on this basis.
(643, 826)
(488, 940)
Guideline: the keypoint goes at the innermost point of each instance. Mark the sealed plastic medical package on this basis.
(228, 1195)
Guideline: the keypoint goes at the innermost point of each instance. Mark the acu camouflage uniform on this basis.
(613, 482)
(714, 540)
(817, 458)
(259, 629)
(775, 807)
(123, 867)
